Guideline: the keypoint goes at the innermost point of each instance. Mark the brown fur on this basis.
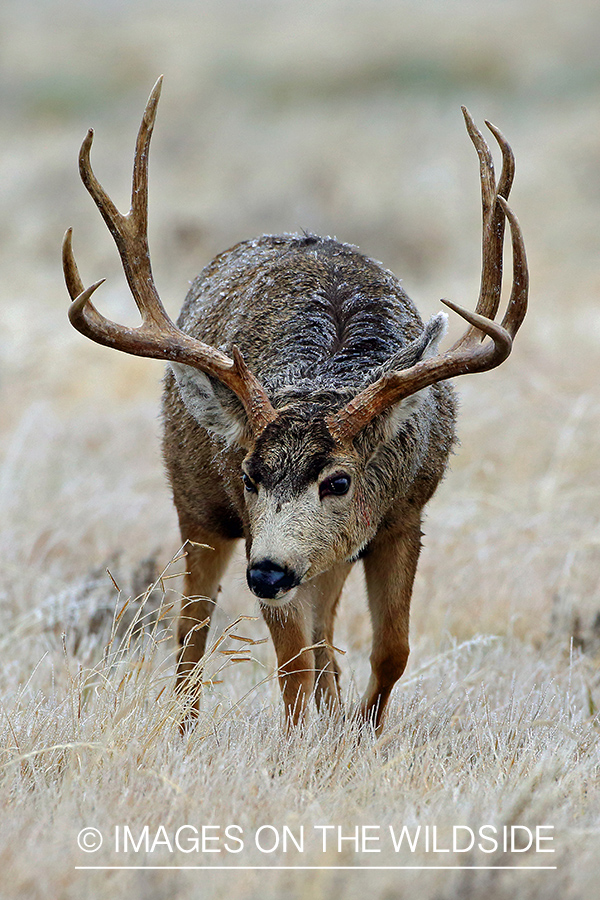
(313, 319)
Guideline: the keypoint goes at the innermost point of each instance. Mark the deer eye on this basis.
(249, 484)
(335, 485)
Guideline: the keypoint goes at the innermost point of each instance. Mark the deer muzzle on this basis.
(268, 580)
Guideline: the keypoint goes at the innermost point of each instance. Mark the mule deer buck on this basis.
(307, 410)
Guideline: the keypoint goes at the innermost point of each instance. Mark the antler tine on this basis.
(108, 210)
(469, 354)
(493, 223)
(70, 270)
(139, 184)
(486, 164)
(130, 231)
(517, 304)
(157, 336)
(508, 162)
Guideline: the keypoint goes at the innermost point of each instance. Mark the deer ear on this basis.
(424, 347)
(213, 405)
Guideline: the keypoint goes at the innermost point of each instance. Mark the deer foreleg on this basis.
(326, 590)
(291, 631)
(390, 568)
(207, 558)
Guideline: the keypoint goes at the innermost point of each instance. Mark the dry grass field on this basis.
(341, 117)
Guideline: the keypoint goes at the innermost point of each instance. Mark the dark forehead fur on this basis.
(288, 455)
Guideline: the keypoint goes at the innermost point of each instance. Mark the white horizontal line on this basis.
(312, 868)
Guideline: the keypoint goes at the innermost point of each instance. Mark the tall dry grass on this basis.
(340, 117)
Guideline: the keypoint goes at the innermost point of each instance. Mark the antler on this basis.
(157, 336)
(471, 353)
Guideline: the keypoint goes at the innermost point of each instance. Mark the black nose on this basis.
(266, 579)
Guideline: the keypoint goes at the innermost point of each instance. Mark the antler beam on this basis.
(157, 336)
(471, 353)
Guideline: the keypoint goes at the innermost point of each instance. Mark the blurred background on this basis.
(340, 117)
